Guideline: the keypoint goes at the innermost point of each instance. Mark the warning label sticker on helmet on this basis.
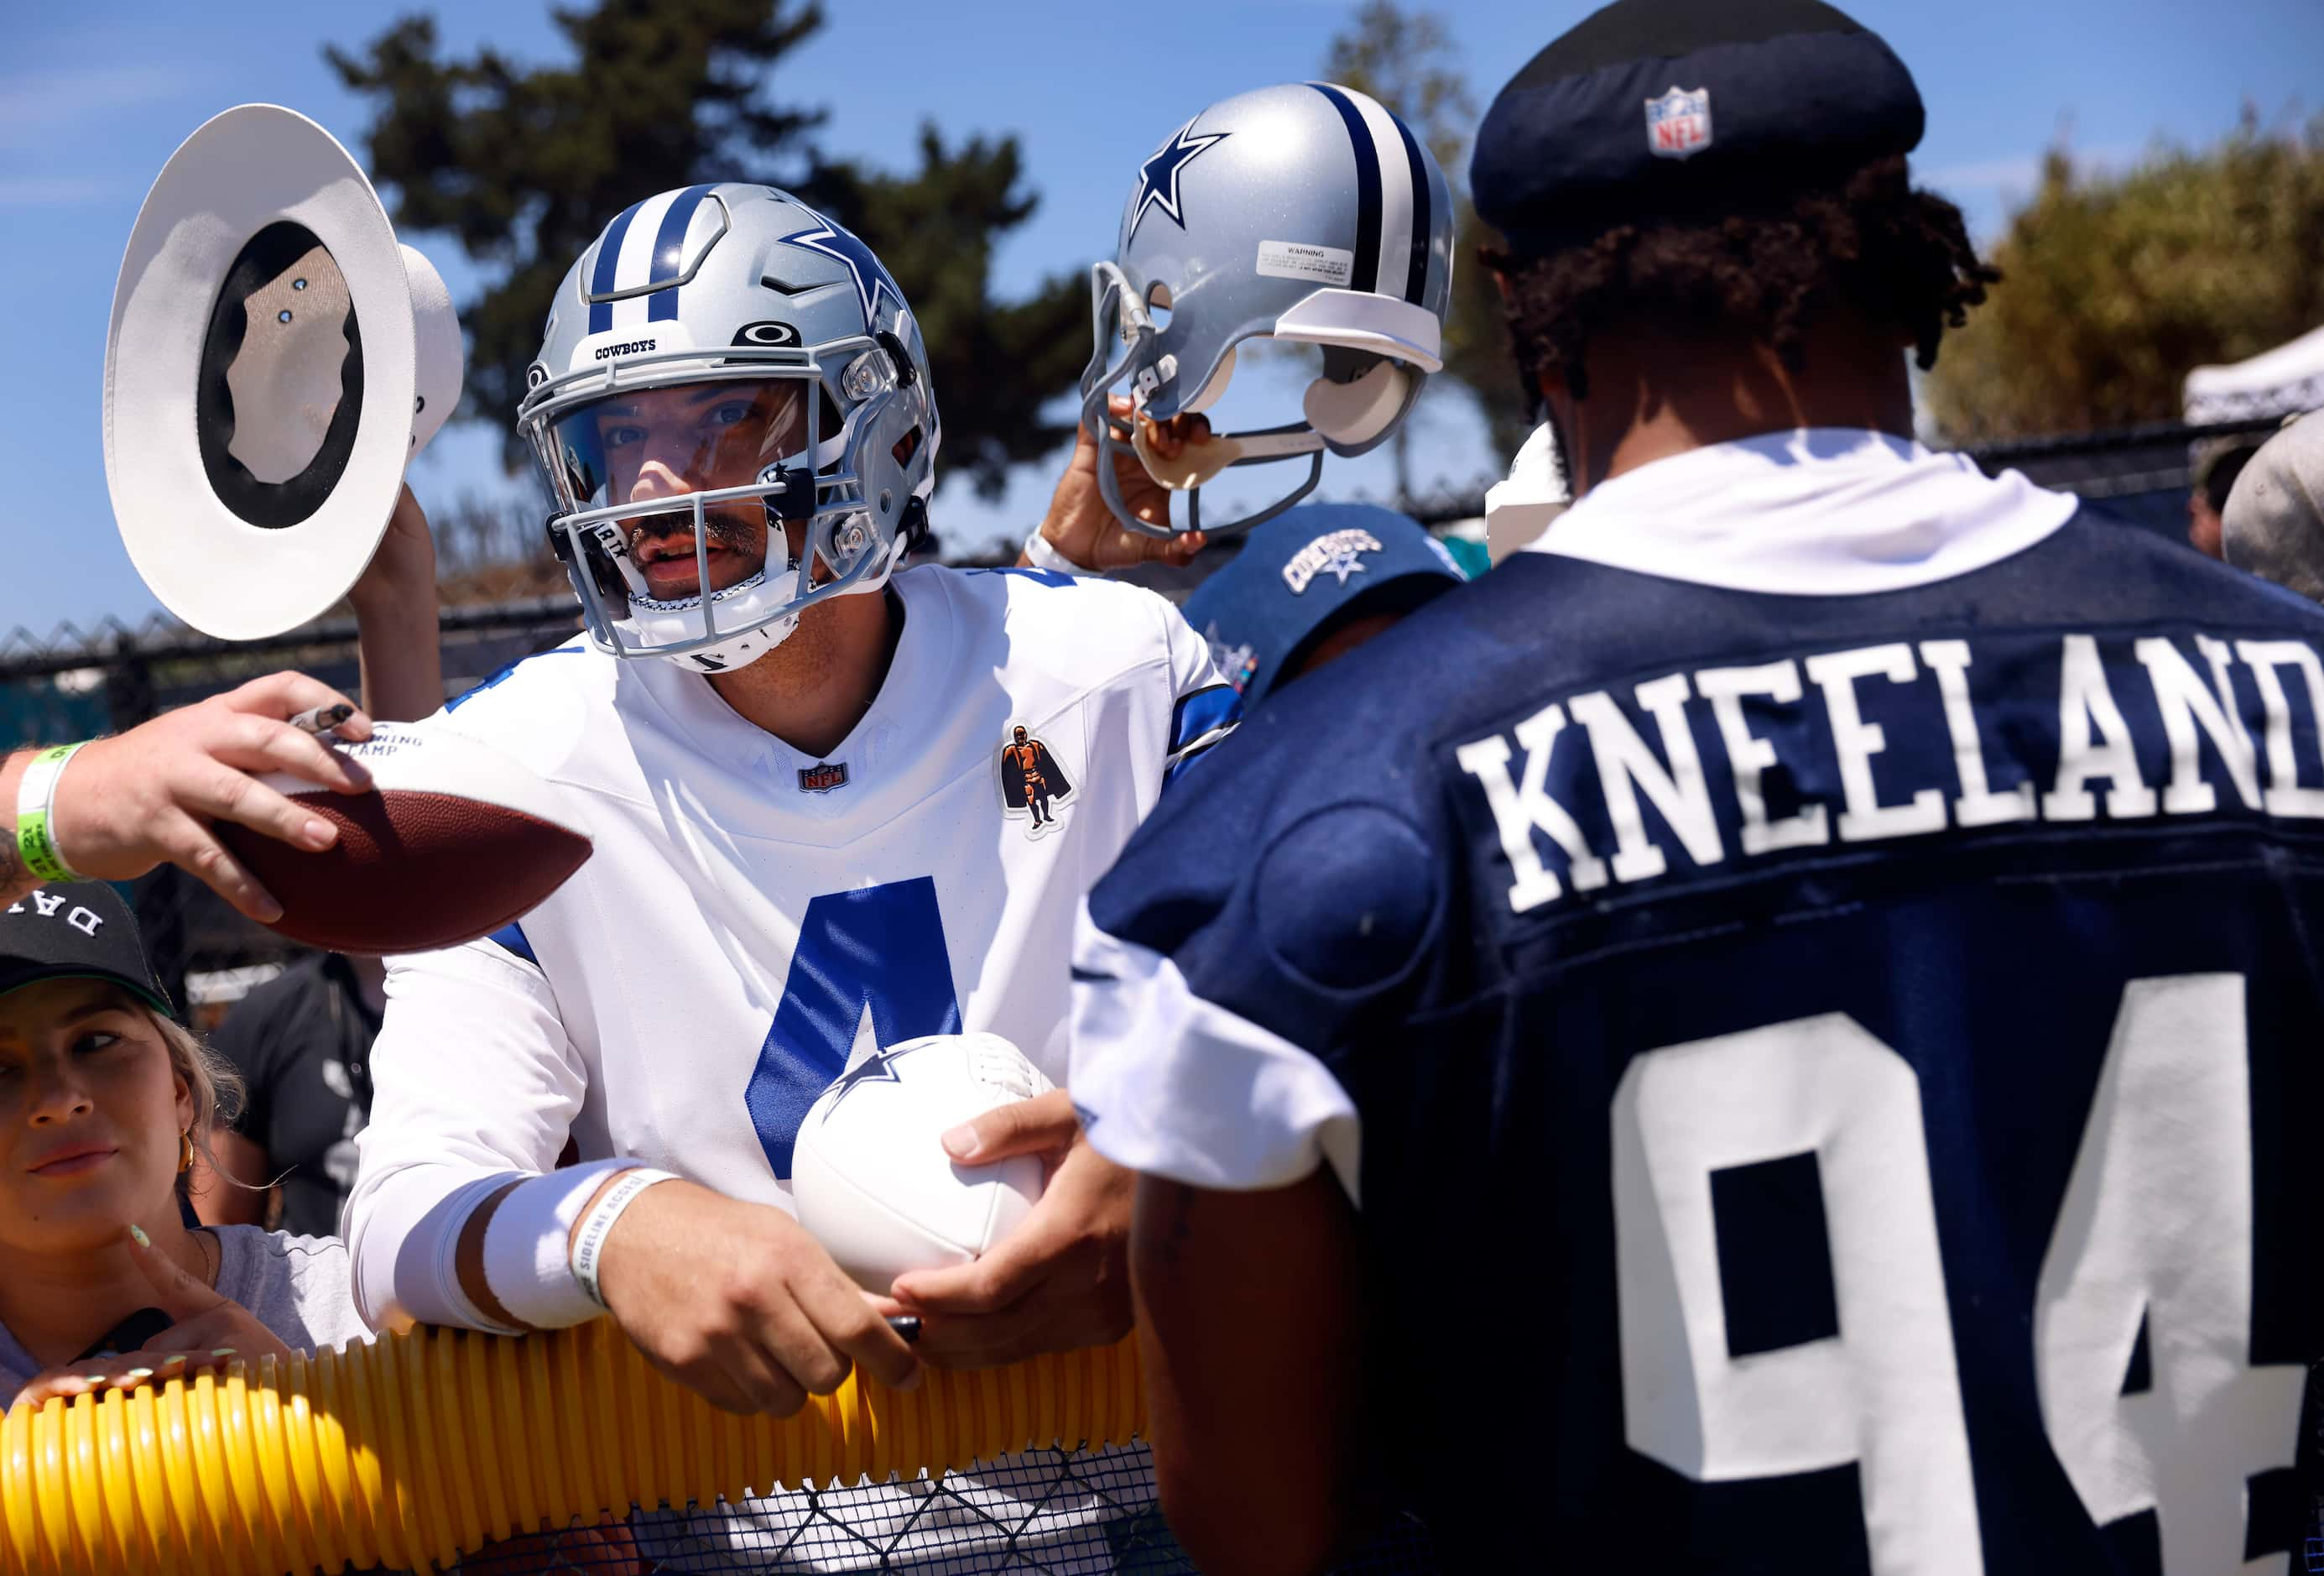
(1298, 260)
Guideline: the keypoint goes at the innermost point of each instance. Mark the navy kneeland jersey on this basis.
(1852, 1048)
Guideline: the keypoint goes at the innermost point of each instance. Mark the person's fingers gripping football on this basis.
(186, 843)
(251, 742)
(287, 693)
(993, 1282)
(223, 792)
(1043, 1124)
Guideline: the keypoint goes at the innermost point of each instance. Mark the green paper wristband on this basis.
(35, 845)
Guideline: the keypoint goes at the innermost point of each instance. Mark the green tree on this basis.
(2116, 286)
(1406, 60)
(523, 165)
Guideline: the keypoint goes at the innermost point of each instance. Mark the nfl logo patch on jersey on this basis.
(1678, 123)
(822, 776)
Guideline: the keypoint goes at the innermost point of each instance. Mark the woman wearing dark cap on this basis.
(104, 1101)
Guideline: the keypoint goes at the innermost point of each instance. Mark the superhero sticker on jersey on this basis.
(1033, 786)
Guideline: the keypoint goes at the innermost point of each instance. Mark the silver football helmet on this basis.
(1306, 213)
(724, 368)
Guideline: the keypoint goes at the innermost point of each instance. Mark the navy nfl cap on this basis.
(1305, 572)
(1667, 109)
(79, 930)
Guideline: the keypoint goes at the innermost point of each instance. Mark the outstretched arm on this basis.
(398, 643)
(150, 796)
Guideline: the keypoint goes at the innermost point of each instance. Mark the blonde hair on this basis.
(215, 1087)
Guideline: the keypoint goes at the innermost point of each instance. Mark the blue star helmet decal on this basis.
(871, 280)
(1157, 178)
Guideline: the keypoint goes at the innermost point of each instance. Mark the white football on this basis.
(870, 1174)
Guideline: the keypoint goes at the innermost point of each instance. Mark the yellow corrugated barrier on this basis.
(423, 1446)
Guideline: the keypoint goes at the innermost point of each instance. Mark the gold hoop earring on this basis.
(186, 1151)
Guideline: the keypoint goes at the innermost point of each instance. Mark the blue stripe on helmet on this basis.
(1367, 187)
(601, 278)
(1416, 283)
(669, 253)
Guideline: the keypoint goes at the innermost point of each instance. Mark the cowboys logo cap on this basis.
(1664, 109)
(79, 930)
(1306, 573)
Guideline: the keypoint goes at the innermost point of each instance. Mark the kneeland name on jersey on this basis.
(2136, 723)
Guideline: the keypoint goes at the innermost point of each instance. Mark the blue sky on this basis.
(93, 100)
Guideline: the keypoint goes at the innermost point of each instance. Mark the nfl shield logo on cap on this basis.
(1678, 123)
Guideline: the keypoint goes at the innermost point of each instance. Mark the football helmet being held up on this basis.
(1305, 213)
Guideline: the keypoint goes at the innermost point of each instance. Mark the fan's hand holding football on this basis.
(1080, 526)
(210, 1331)
(738, 1303)
(147, 797)
(1059, 1281)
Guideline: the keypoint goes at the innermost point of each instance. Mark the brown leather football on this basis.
(455, 840)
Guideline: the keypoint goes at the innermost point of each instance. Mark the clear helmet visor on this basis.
(682, 489)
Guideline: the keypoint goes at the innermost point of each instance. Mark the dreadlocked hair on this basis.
(1764, 269)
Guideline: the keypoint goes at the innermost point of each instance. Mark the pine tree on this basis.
(522, 165)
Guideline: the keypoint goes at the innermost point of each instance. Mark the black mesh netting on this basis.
(1066, 1513)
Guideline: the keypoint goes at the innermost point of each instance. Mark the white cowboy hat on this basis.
(275, 360)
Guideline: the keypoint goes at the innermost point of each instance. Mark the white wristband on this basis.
(1042, 556)
(527, 1262)
(589, 1241)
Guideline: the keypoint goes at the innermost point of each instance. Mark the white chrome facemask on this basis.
(802, 477)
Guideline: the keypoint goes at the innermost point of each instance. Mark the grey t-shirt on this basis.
(297, 1286)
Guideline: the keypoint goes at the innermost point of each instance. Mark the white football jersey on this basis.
(753, 920)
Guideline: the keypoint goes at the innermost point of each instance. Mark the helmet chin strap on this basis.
(652, 622)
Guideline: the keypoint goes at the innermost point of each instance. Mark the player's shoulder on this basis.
(545, 710)
(1084, 631)
(2097, 555)
(1326, 798)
